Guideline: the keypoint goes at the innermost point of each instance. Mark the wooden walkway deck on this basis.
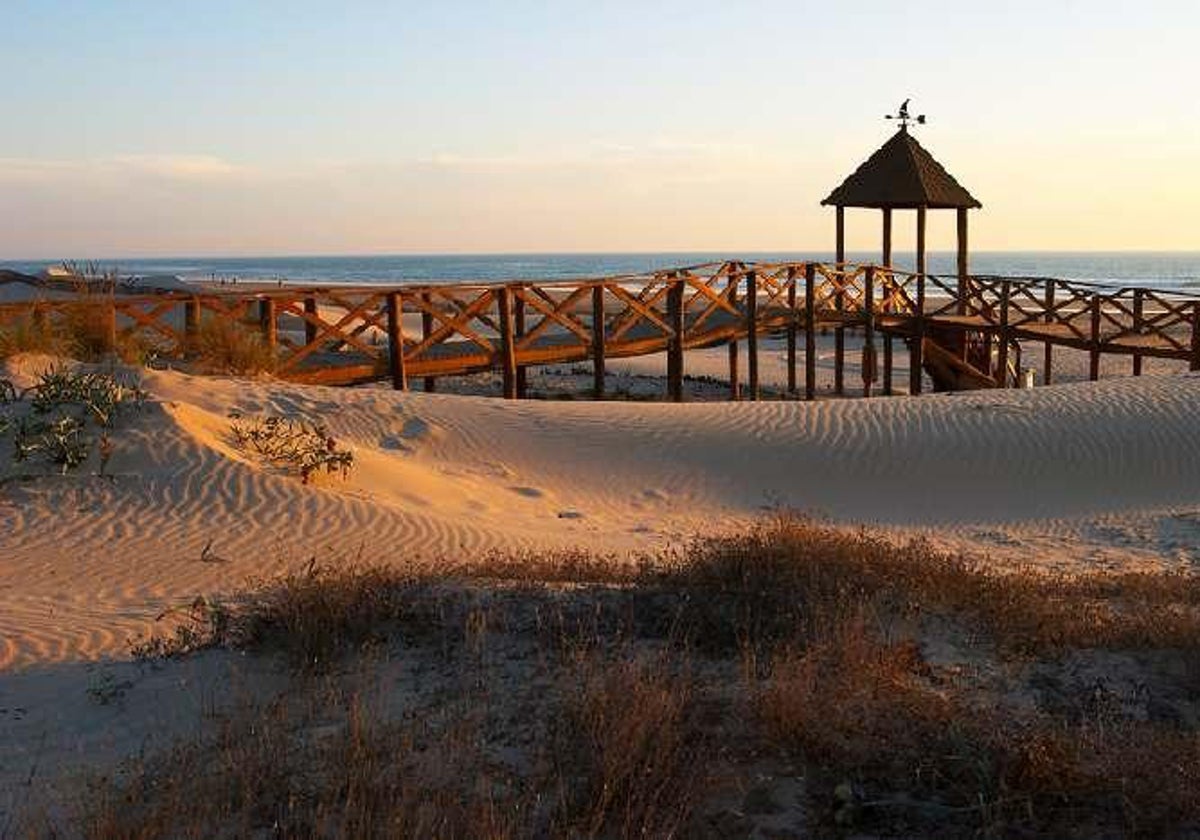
(350, 335)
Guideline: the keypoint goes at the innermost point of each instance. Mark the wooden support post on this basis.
(810, 332)
(110, 326)
(1094, 366)
(839, 333)
(963, 267)
(191, 324)
(508, 343)
(675, 345)
(887, 338)
(868, 353)
(1048, 362)
(395, 326)
(1195, 363)
(519, 329)
(792, 326)
(310, 329)
(429, 384)
(735, 383)
(266, 322)
(598, 341)
(1138, 323)
(1002, 360)
(752, 333)
(917, 351)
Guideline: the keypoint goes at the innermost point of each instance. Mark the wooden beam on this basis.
(508, 342)
(675, 343)
(868, 352)
(752, 332)
(735, 384)
(917, 351)
(267, 324)
(1048, 361)
(839, 333)
(792, 326)
(519, 328)
(1138, 318)
(810, 336)
(1002, 359)
(598, 341)
(1195, 360)
(395, 322)
(310, 329)
(430, 383)
(963, 266)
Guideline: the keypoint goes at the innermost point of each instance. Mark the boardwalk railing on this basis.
(352, 334)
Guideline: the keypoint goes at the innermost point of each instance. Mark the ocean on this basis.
(1177, 270)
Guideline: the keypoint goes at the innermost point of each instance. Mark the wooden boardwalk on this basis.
(350, 335)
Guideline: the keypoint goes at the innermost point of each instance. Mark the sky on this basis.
(234, 128)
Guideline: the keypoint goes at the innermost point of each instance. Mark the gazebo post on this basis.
(917, 352)
(963, 268)
(839, 334)
(887, 336)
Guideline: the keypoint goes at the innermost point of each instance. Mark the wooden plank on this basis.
(519, 327)
(508, 342)
(752, 333)
(1138, 325)
(792, 326)
(868, 352)
(675, 345)
(395, 330)
(1002, 359)
(1048, 361)
(598, 353)
(810, 332)
(735, 385)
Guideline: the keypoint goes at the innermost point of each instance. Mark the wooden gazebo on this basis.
(902, 175)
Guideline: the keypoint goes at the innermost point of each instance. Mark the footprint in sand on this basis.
(528, 492)
(570, 514)
(652, 495)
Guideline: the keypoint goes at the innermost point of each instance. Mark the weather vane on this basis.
(904, 117)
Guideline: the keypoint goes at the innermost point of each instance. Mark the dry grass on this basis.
(229, 347)
(621, 687)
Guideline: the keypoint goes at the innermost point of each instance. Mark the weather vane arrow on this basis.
(904, 117)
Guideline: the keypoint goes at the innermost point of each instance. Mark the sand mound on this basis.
(1100, 473)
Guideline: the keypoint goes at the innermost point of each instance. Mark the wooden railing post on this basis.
(598, 341)
(839, 333)
(1002, 359)
(310, 329)
(735, 384)
(429, 384)
(810, 332)
(868, 352)
(1195, 362)
(1048, 362)
(266, 323)
(791, 331)
(752, 332)
(395, 326)
(519, 330)
(508, 345)
(675, 344)
(1138, 324)
(191, 324)
(916, 353)
(1094, 358)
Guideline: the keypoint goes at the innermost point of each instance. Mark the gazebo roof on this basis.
(901, 174)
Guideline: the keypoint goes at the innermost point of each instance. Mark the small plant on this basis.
(225, 346)
(57, 413)
(292, 444)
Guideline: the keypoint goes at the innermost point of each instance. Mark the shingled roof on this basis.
(901, 174)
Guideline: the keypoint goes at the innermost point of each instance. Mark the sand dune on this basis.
(1094, 473)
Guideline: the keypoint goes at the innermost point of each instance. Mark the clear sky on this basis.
(153, 128)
